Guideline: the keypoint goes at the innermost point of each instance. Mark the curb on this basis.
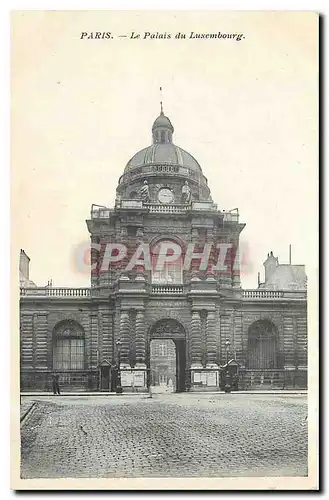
(28, 411)
(192, 393)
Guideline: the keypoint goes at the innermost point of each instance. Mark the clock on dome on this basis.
(165, 195)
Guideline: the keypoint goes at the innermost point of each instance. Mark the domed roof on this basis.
(163, 121)
(163, 151)
(165, 154)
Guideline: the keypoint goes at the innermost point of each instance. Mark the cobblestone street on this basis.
(176, 435)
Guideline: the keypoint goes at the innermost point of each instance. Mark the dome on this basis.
(163, 151)
(164, 154)
(162, 164)
(162, 121)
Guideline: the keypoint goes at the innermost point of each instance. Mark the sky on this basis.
(246, 110)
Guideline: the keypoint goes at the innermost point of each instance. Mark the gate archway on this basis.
(173, 330)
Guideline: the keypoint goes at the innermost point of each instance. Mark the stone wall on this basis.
(208, 322)
(37, 323)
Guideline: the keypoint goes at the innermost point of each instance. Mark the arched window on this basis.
(167, 263)
(262, 345)
(68, 346)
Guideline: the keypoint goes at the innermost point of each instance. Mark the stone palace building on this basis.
(165, 265)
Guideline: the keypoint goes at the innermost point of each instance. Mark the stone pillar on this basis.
(41, 345)
(236, 266)
(125, 339)
(196, 340)
(211, 340)
(140, 340)
(194, 266)
(91, 339)
(94, 254)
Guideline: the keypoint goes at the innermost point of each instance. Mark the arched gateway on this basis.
(173, 330)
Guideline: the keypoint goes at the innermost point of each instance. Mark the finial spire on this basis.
(161, 101)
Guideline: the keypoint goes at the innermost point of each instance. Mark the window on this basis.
(68, 351)
(162, 350)
(262, 345)
(166, 273)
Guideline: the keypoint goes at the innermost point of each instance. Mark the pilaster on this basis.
(125, 339)
(211, 340)
(196, 348)
(140, 339)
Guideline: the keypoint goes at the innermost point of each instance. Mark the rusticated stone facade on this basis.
(163, 201)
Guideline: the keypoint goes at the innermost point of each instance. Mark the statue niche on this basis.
(186, 193)
(145, 192)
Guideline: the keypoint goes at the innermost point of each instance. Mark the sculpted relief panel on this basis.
(168, 311)
(167, 328)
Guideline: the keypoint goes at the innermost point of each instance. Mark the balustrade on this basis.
(172, 208)
(274, 294)
(55, 292)
(167, 289)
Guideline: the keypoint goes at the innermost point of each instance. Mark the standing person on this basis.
(55, 381)
(235, 382)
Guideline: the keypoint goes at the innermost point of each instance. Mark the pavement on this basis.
(156, 391)
(169, 435)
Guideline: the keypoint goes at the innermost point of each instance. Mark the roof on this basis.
(162, 121)
(287, 277)
(163, 153)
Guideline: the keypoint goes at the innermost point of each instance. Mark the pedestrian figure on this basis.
(55, 381)
(235, 382)
(228, 386)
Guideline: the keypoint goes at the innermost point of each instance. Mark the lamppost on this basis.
(118, 388)
(227, 375)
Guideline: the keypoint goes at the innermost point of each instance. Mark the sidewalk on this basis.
(273, 392)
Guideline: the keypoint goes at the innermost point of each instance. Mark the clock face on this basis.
(165, 195)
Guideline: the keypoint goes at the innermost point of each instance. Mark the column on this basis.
(288, 339)
(91, 341)
(210, 275)
(107, 336)
(125, 339)
(26, 340)
(140, 340)
(94, 254)
(211, 340)
(236, 266)
(41, 347)
(194, 267)
(196, 340)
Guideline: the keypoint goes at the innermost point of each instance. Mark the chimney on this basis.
(24, 265)
(270, 265)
